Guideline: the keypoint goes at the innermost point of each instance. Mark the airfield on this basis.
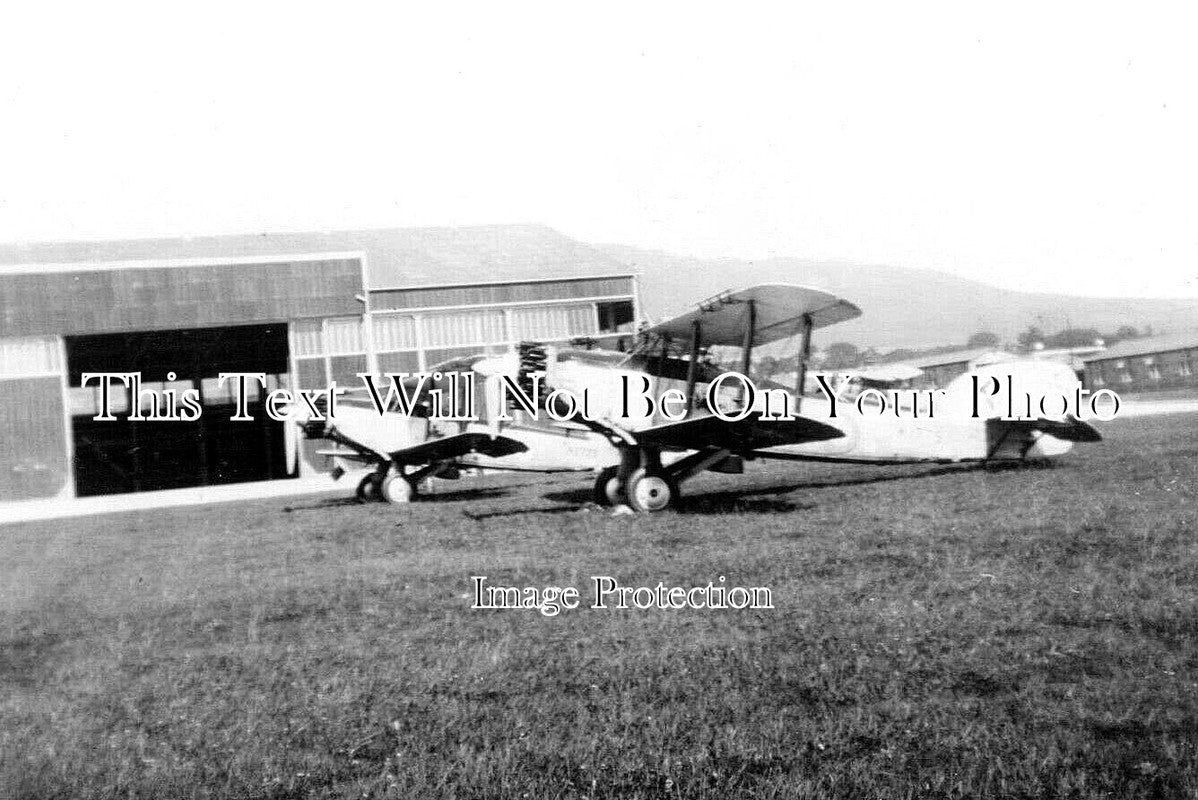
(938, 631)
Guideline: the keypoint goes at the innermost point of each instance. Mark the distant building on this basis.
(1152, 363)
(941, 368)
(1074, 357)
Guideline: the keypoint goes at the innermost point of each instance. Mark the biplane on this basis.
(656, 455)
(643, 459)
(402, 446)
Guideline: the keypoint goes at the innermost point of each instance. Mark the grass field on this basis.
(938, 632)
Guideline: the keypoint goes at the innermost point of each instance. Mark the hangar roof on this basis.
(1147, 344)
(396, 257)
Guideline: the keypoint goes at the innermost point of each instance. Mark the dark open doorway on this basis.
(133, 456)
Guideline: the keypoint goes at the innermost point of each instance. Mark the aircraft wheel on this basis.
(651, 491)
(370, 488)
(607, 488)
(398, 489)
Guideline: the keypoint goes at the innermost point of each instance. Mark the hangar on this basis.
(303, 308)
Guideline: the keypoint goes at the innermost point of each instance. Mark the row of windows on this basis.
(1176, 367)
(335, 348)
(454, 329)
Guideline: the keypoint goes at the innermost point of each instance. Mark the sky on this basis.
(1044, 147)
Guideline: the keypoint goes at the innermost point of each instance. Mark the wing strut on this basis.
(692, 370)
(663, 354)
(747, 345)
(801, 367)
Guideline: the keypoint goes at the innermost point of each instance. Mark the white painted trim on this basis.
(507, 282)
(508, 326)
(419, 331)
(215, 261)
(636, 304)
(17, 511)
(372, 365)
(27, 376)
(514, 342)
(70, 491)
(326, 345)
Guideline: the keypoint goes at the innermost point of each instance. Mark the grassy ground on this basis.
(938, 632)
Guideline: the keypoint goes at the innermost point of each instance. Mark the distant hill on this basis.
(900, 307)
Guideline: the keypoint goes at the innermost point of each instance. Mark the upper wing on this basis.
(458, 445)
(747, 434)
(779, 309)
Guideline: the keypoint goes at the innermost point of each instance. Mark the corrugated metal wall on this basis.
(169, 297)
(33, 432)
(33, 438)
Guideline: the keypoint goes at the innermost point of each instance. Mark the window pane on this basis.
(394, 332)
(28, 356)
(311, 374)
(615, 317)
(554, 322)
(463, 328)
(398, 362)
(435, 357)
(346, 369)
(307, 337)
(344, 335)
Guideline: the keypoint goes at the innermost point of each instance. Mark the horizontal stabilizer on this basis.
(1069, 429)
(457, 446)
(743, 436)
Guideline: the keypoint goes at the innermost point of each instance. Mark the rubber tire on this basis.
(607, 488)
(650, 492)
(370, 488)
(397, 489)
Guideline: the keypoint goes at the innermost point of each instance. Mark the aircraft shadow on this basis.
(331, 502)
(455, 495)
(519, 512)
(754, 500)
(751, 500)
(466, 494)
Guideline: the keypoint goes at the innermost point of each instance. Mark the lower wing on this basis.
(458, 445)
(741, 436)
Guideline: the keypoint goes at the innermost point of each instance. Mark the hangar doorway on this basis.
(134, 456)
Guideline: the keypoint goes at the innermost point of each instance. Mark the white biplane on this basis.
(643, 453)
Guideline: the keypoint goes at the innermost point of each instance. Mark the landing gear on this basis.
(397, 488)
(370, 488)
(607, 487)
(651, 490)
(645, 484)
